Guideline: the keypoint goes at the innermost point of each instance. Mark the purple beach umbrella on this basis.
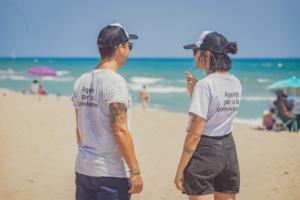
(42, 71)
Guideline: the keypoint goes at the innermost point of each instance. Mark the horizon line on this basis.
(90, 57)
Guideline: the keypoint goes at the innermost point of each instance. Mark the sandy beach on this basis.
(38, 149)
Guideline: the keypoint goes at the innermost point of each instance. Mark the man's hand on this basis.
(118, 116)
(136, 184)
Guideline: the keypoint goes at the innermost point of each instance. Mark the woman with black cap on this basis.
(209, 168)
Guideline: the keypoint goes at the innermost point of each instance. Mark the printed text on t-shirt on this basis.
(87, 95)
(231, 102)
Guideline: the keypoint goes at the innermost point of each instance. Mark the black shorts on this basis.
(214, 167)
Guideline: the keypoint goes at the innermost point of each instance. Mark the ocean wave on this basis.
(58, 79)
(263, 80)
(8, 71)
(181, 81)
(258, 98)
(145, 80)
(280, 65)
(63, 73)
(6, 90)
(159, 89)
(266, 64)
(14, 77)
(17, 78)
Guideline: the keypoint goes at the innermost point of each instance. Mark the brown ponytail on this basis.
(231, 48)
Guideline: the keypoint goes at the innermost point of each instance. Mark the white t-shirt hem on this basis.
(198, 114)
(121, 175)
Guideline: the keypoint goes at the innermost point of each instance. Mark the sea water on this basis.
(163, 77)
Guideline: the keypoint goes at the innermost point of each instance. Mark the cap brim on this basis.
(190, 46)
(133, 36)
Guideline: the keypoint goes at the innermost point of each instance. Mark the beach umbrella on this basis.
(42, 71)
(286, 84)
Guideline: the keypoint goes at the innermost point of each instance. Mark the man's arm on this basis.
(118, 116)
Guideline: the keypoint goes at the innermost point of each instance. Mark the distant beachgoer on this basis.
(209, 167)
(106, 165)
(33, 88)
(42, 91)
(144, 97)
(268, 120)
(285, 108)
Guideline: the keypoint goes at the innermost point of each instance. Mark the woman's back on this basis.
(216, 98)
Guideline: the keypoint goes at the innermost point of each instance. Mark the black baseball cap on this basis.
(113, 35)
(209, 41)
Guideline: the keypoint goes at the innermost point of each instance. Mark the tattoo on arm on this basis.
(193, 117)
(118, 113)
(188, 150)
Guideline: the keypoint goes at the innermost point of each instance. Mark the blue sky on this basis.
(69, 28)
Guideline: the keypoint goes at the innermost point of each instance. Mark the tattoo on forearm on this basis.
(193, 117)
(188, 150)
(118, 113)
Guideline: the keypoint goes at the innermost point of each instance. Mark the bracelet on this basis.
(136, 173)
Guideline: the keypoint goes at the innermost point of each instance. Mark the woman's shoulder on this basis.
(206, 81)
(234, 77)
(203, 83)
(227, 76)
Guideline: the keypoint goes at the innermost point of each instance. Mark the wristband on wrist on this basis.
(135, 173)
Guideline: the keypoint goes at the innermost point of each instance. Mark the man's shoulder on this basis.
(109, 75)
(119, 77)
(80, 77)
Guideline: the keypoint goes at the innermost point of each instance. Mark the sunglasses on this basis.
(195, 51)
(201, 52)
(130, 45)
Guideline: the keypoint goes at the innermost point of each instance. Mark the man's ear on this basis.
(118, 50)
(122, 49)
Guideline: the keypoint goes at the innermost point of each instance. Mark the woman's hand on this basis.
(179, 180)
(191, 82)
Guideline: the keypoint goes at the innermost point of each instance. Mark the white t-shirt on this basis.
(98, 153)
(34, 88)
(216, 98)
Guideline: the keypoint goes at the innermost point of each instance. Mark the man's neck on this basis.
(109, 64)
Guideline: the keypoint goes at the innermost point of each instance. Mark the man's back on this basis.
(98, 153)
(103, 115)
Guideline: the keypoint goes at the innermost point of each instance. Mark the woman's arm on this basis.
(191, 82)
(77, 130)
(191, 141)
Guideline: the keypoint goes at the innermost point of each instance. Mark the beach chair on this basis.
(280, 123)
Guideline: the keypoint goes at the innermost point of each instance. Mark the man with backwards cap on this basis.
(106, 165)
